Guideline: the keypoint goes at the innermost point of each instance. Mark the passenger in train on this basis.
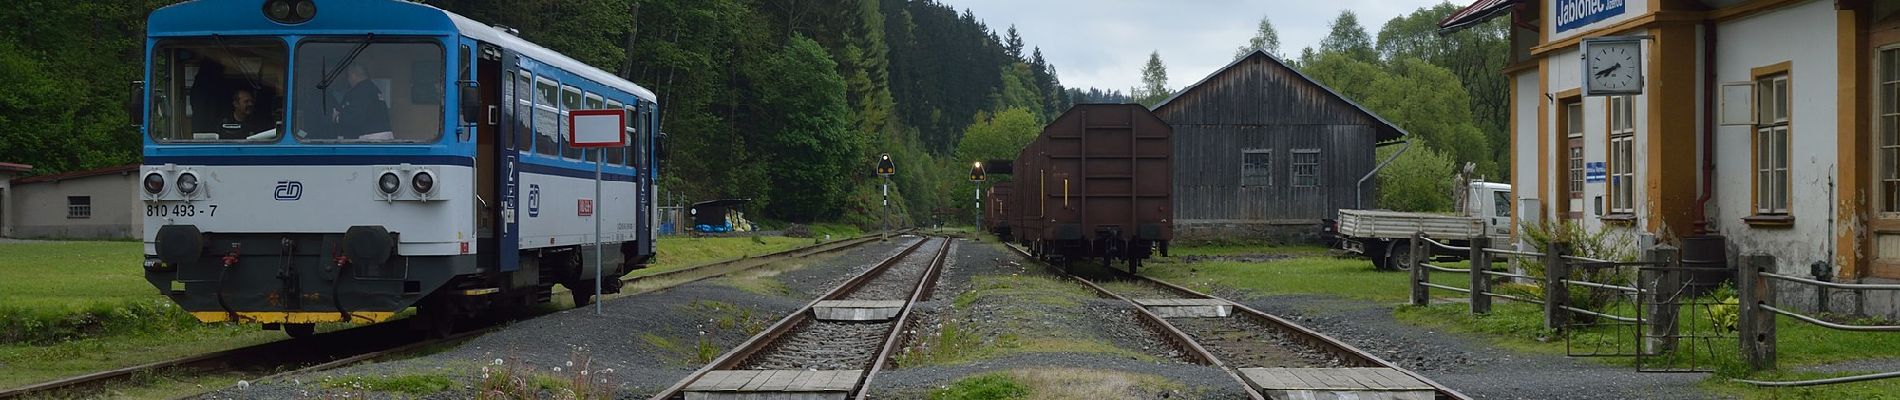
(363, 112)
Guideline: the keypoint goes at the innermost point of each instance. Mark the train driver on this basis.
(243, 121)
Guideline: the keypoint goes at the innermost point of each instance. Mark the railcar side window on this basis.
(642, 133)
(618, 155)
(363, 90)
(547, 140)
(570, 100)
(217, 90)
(524, 111)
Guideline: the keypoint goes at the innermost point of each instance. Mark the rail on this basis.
(1757, 289)
(759, 343)
(1352, 356)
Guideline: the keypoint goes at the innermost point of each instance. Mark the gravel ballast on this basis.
(1104, 332)
(648, 341)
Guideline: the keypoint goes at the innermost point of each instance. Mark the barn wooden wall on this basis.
(1260, 104)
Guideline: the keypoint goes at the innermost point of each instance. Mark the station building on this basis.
(1764, 127)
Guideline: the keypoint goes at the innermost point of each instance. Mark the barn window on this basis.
(1305, 167)
(1622, 157)
(1256, 167)
(1771, 145)
(78, 206)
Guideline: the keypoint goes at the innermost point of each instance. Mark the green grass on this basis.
(417, 385)
(676, 252)
(991, 386)
(22, 364)
(1234, 249)
(1344, 277)
(68, 276)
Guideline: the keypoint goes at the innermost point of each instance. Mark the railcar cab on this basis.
(312, 161)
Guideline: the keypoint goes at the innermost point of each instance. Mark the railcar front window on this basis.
(217, 90)
(359, 90)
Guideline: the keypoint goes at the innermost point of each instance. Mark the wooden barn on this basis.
(1262, 151)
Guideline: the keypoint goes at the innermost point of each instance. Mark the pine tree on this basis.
(1013, 45)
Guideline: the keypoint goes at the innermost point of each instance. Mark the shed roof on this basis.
(1386, 130)
(1478, 12)
(128, 168)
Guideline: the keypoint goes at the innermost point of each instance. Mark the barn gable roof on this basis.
(1387, 132)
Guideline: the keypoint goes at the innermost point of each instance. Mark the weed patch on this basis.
(992, 386)
(406, 384)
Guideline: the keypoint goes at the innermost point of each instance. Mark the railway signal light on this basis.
(976, 172)
(885, 167)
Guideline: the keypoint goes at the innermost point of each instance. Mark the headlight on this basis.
(305, 10)
(423, 182)
(290, 11)
(187, 183)
(154, 183)
(389, 183)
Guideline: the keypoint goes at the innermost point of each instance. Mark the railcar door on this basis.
(502, 88)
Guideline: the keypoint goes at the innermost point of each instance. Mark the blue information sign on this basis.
(1572, 14)
(1594, 172)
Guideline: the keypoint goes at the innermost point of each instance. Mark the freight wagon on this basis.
(1096, 184)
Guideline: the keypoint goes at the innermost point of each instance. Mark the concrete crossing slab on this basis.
(774, 385)
(1337, 384)
(857, 310)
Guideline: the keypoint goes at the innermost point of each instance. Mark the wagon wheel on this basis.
(300, 330)
(1398, 255)
(584, 294)
(438, 314)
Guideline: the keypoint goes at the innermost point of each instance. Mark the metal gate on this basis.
(1669, 318)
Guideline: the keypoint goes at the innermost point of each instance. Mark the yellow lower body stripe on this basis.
(297, 317)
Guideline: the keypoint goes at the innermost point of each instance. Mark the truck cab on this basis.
(1490, 202)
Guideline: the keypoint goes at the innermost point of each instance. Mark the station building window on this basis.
(1622, 168)
(1889, 152)
(1772, 128)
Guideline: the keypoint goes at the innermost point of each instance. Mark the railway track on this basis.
(819, 348)
(1248, 339)
(354, 345)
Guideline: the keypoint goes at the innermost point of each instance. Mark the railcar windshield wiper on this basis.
(329, 76)
(233, 53)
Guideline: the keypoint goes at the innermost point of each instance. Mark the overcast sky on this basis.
(1103, 43)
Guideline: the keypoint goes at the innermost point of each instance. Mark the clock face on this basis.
(1614, 67)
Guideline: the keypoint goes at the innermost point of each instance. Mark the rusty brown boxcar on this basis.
(996, 210)
(1102, 178)
(1027, 194)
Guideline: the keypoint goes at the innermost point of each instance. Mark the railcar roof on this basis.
(244, 17)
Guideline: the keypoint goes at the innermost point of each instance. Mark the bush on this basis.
(38, 327)
(1598, 244)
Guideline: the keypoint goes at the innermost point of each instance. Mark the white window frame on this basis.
(1887, 124)
(1772, 132)
(1622, 168)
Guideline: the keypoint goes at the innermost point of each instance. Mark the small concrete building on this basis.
(1262, 151)
(1763, 127)
(92, 204)
(7, 172)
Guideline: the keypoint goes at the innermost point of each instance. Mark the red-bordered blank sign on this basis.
(596, 128)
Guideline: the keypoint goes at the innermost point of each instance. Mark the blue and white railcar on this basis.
(313, 161)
